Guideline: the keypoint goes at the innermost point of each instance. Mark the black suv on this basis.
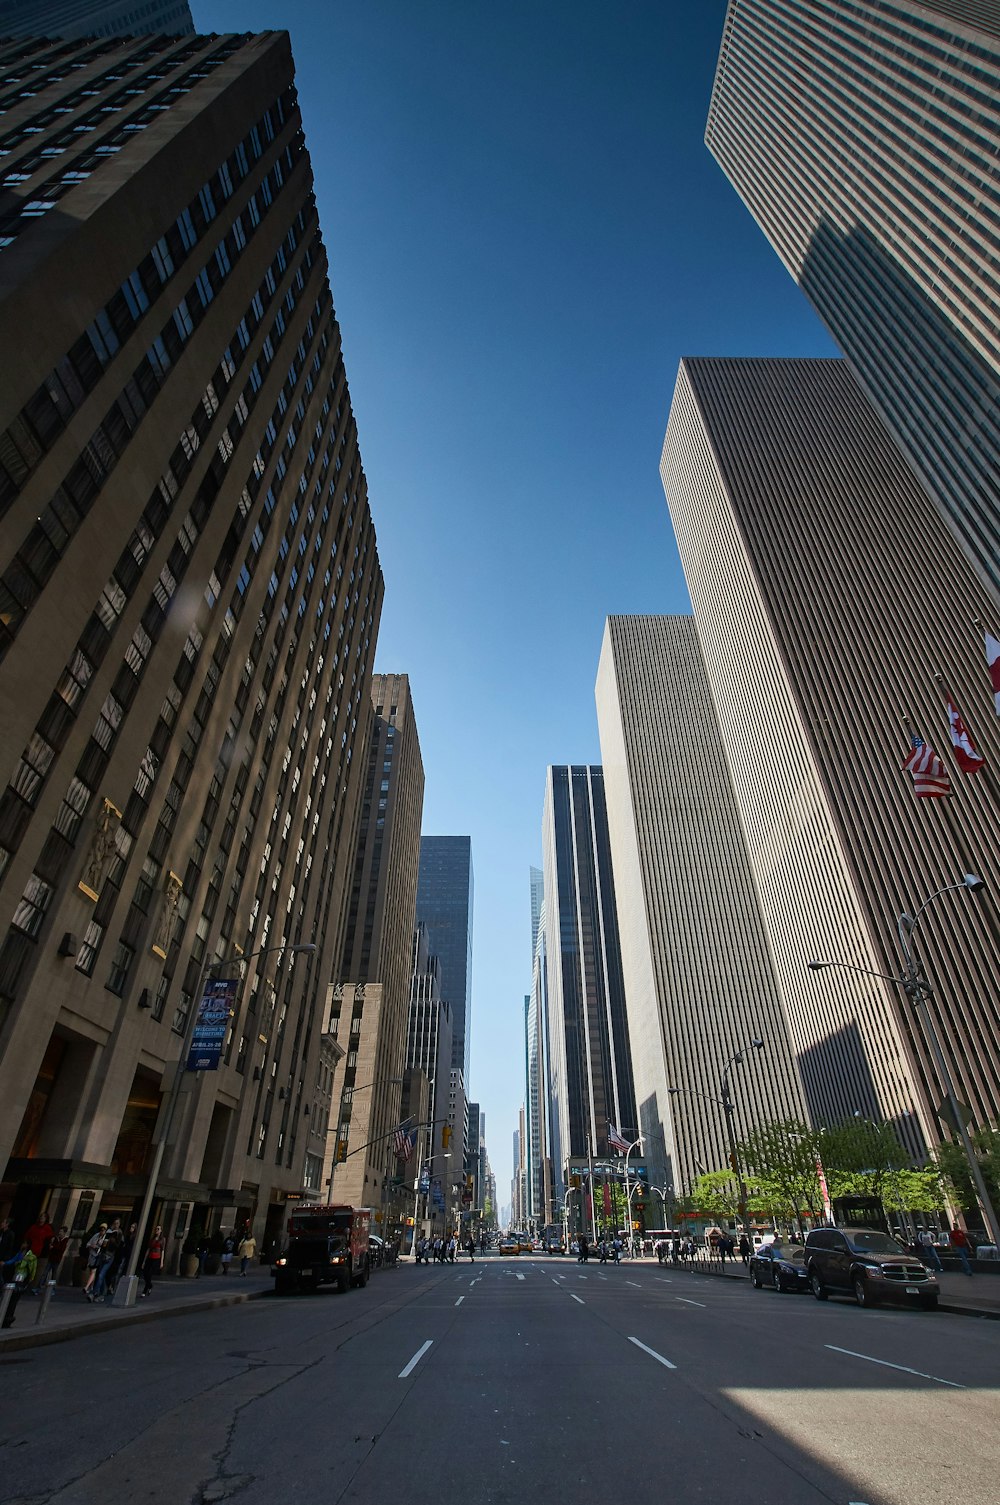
(868, 1263)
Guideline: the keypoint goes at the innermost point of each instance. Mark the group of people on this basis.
(928, 1243)
(607, 1250)
(443, 1250)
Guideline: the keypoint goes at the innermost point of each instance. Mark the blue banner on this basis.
(215, 1010)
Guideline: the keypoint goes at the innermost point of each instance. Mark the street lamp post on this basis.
(725, 1102)
(636, 1144)
(916, 987)
(125, 1291)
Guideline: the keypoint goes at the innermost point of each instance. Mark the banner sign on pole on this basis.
(215, 1010)
(424, 1184)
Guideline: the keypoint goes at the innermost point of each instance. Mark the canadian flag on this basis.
(993, 660)
(966, 756)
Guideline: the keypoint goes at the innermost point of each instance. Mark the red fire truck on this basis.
(323, 1245)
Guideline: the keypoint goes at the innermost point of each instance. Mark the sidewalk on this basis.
(70, 1315)
(975, 1296)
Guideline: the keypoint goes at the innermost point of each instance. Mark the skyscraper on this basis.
(378, 946)
(699, 981)
(538, 1181)
(864, 138)
(444, 905)
(835, 612)
(589, 1065)
(189, 595)
(98, 18)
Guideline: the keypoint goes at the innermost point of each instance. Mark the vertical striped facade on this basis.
(589, 1066)
(863, 135)
(834, 610)
(698, 975)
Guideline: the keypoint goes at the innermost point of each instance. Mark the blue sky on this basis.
(526, 233)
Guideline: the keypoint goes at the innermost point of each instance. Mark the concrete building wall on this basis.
(699, 981)
(834, 610)
(189, 599)
(863, 139)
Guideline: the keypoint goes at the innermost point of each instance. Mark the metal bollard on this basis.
(43, 1301)
(5, 1300)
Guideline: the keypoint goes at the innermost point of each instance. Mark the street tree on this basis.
(782, 1158)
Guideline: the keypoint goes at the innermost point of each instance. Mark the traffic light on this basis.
(576, 1182)
(446, 1136)
(341, 1151)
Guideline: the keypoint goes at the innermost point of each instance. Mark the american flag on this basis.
(616, 1138)
(930, 777)
(404, 1142)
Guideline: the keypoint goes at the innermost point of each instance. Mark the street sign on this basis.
(215, 1010)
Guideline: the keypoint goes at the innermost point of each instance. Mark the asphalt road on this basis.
(510, 1380)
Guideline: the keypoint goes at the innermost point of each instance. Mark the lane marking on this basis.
(687, 1302)
(520, 1277)
(653, 1354)
(579, 1277)
(666, 1279)
(578, 1298)
(403, 1373)
(459, 1301)
(634, 1283)
(553, 1280)
(901, 1367)
(602, 1277)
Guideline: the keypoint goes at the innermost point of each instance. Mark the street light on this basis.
(637, 1143)
(725, 1102)
(916, 987)
(365, 1086)
(125, 1291)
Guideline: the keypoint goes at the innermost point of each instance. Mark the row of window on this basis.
(43, 418)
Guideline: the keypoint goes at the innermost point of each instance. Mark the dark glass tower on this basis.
(97, 18)
(444, 905)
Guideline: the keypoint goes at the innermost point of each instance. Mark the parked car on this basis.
(783, 1268)
(869, 1263)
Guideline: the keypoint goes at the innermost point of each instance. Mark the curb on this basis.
(45, 1336)
(985, 1313)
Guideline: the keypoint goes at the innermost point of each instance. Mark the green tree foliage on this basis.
(954, 1168)
(718, 1194)
(780, 1159)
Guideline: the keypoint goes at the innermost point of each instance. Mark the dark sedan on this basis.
(780, 1267)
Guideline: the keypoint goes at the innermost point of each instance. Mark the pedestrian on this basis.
(248, 1250)
(21, 1271)
(581, 1250)
(927, 1250)
(675, 1249)
(616, 1250)
(38, 1235)
(153, 1262)
(58, 1244)
(959, 1241)
(121, 1261)
(228, 1250)
(110, 1250)
(203, 1252)
(92, 1249)
(746, 1249)
(471, 1246)
(452, 1249)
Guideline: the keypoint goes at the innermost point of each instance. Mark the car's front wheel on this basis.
(755, 1279)
(818, 1288)
(862, 1294)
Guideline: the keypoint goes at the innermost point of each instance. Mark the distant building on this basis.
(94, 18)
(863, 139)
(699, 980)
(444, 905)
(835, 612)
(589, 1064)
(378, 949)
(429, 1050)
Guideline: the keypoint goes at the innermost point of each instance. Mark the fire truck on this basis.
(324, 1245)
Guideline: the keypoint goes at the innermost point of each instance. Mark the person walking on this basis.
(248, 1251)
(38, 1236)
(471, 1247)
(21, 1271)
(452, 1249)
(153, 1262)
(93, 1248)
(120, 1264)
(959, 1241)
(58, 1244)
(927, 1249)
(746, 1249)
(228, 1250)
(109, 1253)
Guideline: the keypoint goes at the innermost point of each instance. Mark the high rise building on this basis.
(444, 905)
(835, 612)
(589, 1065)
(98, 18)
(378, 949)
(699, 980)
(863, 137)
(189, 597)
(429, 1051)
(538, 1162)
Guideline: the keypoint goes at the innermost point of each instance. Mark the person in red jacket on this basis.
(959, 1241)
(38, 1235)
